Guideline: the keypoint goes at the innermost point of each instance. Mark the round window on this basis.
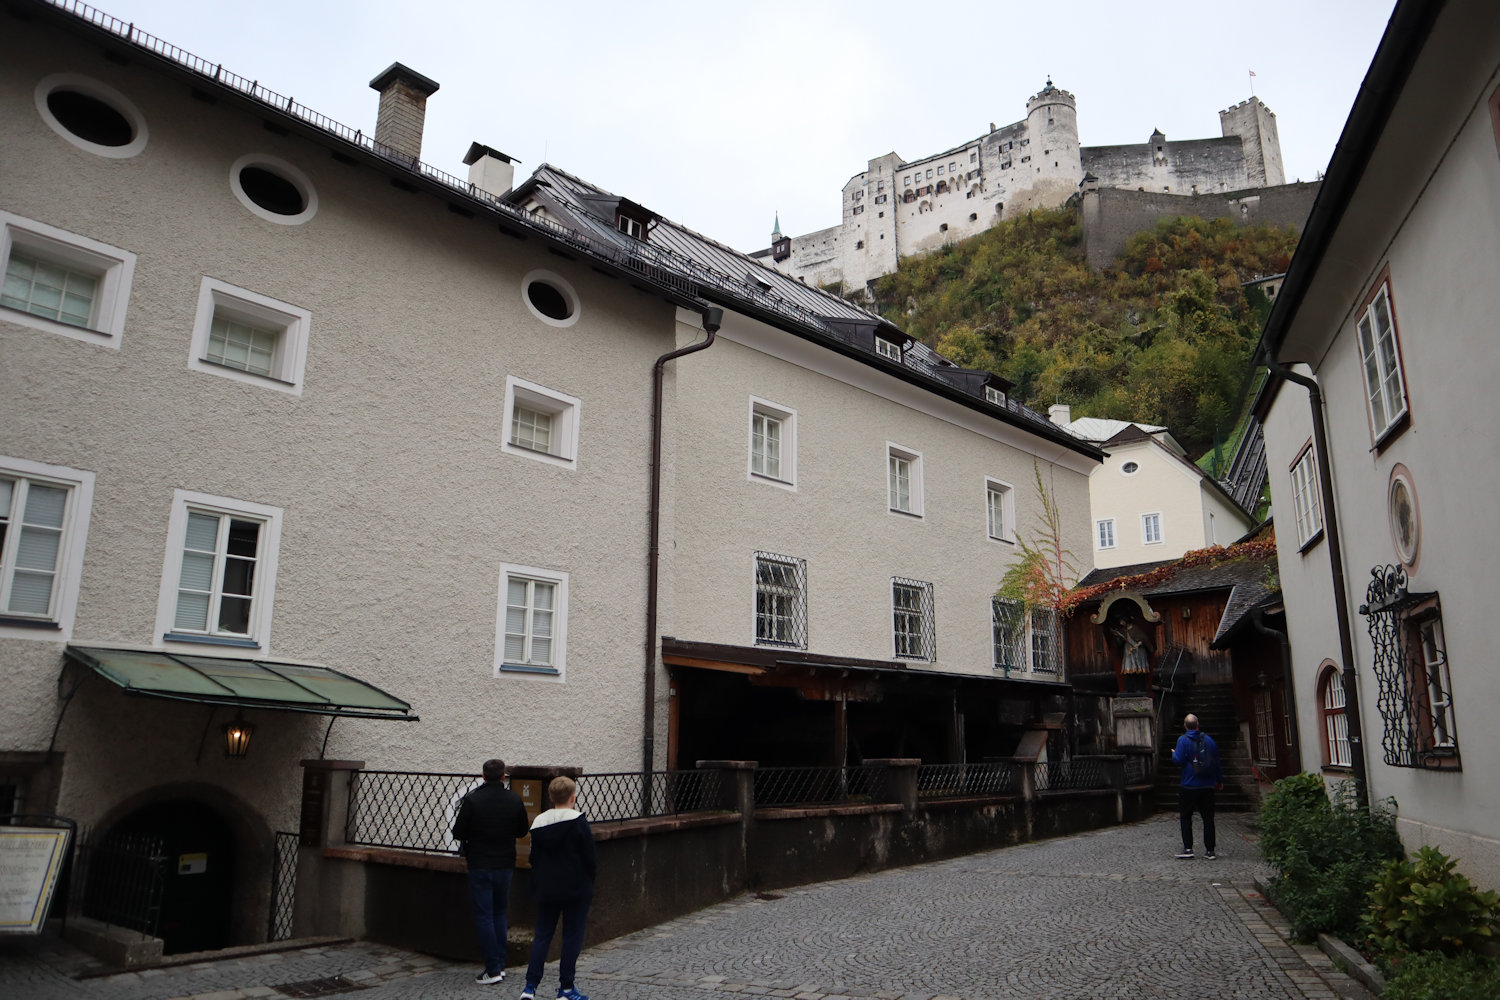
(550, 298)
(1402, 511)
(273, 189)
(91, 115)
(1130, 468)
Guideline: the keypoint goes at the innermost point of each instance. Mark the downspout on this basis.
(1258, 619)
(1336, 563)
(713, 318)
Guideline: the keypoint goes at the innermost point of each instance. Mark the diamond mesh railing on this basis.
(283, 886)
(635, 795)
(1076, 774)
(949, 781)
(809, 786)
(410, 810)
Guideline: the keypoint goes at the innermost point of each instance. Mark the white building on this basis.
(1382, 486)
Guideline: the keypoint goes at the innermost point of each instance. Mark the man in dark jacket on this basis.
(490, 819)
(562, 879)
(1199, 781)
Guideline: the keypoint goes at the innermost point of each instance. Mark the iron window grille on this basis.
(1415, 694)
(1008, 631)
(1046, 656)
(780, 601)
(914, 626)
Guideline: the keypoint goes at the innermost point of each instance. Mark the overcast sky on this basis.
(718, 115)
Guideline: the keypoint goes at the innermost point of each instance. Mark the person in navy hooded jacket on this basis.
(1196, 793)
(562, 880)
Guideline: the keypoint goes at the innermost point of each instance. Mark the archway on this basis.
(199, 878)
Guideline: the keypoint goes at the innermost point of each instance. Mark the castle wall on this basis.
(1254, 124)
(1194, 166)
(1111, 216)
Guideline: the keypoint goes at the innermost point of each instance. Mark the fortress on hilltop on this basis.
(895, 207)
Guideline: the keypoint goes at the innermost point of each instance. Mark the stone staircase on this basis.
(1214, 706)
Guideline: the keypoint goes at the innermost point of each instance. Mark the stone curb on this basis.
(1353, 961)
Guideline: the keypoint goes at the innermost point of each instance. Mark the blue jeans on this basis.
(489, 892)
(573, 912)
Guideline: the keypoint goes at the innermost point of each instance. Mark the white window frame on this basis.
(1100, 527)
(1006, 494)
(263, 596)
(994, 396)
(564, 410)
(558, 669)
(114, 268)
(1386, 365)
(1336, 746)
(926, 613)
(1146, 522)
(290, 323)
(100, 92)
(787, 418)
(1306, 506)
(913, 459)
(887, 348)
(796, 595)
(69, 568)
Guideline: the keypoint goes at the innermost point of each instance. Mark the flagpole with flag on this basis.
(1252, 83)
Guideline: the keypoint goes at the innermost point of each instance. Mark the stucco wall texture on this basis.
(399, 507)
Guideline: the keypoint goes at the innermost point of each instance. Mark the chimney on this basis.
(403, 107)
(490, 170)
(1060, 414)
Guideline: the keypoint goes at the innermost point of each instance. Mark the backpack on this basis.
(1205, 757)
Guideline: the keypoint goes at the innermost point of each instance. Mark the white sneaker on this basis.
(486, 977)
(1187, 855)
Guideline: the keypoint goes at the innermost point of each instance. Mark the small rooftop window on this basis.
(1130, 468)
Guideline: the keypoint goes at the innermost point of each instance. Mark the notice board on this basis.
(31, 859)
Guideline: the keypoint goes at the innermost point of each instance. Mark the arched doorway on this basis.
(197, 891)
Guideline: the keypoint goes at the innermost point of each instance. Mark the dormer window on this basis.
(630, 227)
(888, 348)
(993, 395)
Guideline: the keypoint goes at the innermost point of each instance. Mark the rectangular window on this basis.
(630, 227)
(993, 395)
(44, 512)
(220, 572)
(765, 445)
(1433, 658)
(780, 601)
(904, 480)
(1045, 657)
(249, 337)
(773, 443)
(914, 628)
(888, 348)
(1410, 664)
(1335, 722)
(1381, 356)
(1309, 515)
(1150, 529)
(540, 423)
(62, 282)
(1000, 513)
(1008, 634)
(1105, 532)
(532, 621)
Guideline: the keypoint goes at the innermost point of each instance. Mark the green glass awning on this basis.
(222, 680)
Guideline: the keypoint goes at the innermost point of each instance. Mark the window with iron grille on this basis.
(1045, 656)
(1335, 722)
(1008, 632)
(914, 627)
(1415, 693)
(780, 601)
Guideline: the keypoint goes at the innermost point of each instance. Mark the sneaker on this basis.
(529, 993)
(571, 993)
(487, 977)
(1186, 855)
(1210, 855)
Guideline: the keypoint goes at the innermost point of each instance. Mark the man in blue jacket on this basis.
(490, 819)
(1202, 774)
(562, 879)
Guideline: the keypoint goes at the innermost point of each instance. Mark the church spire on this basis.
(776, 233)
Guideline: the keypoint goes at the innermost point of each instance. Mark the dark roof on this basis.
(1229, 574)
(1243, 601)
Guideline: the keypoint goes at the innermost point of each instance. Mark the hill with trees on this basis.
(1163, 336)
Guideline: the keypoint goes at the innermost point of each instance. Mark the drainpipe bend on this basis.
(713, 318)
(1336, 564)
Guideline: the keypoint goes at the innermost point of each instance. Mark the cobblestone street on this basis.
(1108, 915)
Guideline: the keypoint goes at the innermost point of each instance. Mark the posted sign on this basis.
(31, 859)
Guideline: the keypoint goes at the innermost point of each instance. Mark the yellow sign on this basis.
(192, 864)
(30, 860)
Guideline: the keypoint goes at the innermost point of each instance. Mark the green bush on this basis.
(1427, 906)
(1327, 853)
(1435, 976)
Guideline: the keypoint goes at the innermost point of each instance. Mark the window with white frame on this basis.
(249, 337)
(62, 282)
(1308, 513)
(44, 517)
(1104, 532)
(888, 348)
(904, 480)
(1380, 354)
(1008, 634)
(1150, 529)
(540, 423)
(1045, 647)
(532, 621)
(1000, 512)
(219, 578)
(914, 622)
(993, 395)
(773, 443)
(1335, 722)
(780, 600)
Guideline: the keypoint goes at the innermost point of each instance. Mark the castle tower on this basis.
(1255, 124)
(1052, 130)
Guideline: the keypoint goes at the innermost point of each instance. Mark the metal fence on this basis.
(1072, 775)
(949, 781)
(121, 879)
(809, 786)
(410, 810)
(283, 886)
(634, 795)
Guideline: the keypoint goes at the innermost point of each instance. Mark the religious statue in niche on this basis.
(1133, 642)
